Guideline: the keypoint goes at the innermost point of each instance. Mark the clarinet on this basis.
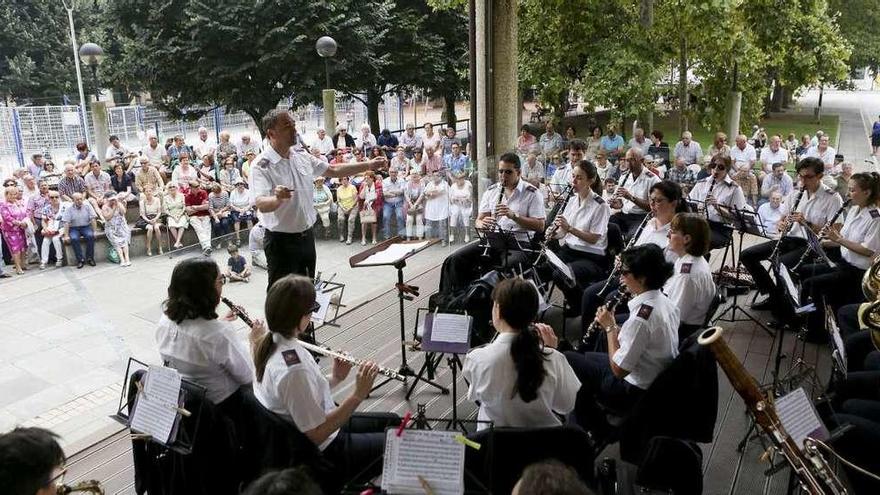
(788, 225)
(616, 300)
(709, 193)
(822, 232)
(632, 241)
(240, 312)
(626, 176)
(557, 210)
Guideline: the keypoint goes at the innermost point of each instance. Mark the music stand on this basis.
(386, 254)
(744, 222)
(503, 241)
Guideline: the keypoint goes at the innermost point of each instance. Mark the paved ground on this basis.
(857, 111)
(66, 334)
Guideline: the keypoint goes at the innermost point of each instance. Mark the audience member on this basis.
(198, 211)
(124, 182)
(777, 180)
(218, 208)
(773, 153)
(323, 201)
(247, 145)
(802, 148)
(150, 218)
(770, 213)
(659, 149)
(823, 152)
(204, 145)
(153, 151)
(842, 186)
(255, 246)
(526, 141)
(594, 142)
(174, 210)
(115, 227)
(612, 143)
(550, 142)
(225, 149)
(237, 269)
(461, 207)
(13, 224)
(241, 209)
(688, 150)
(116, 150)
(79, 224)
(393, 204)
(533, 170)
(415, 207)
(71, 183)
(50, 230)
(411, 141)
(719, 146)
(437, 208)
(448, 140)
(639, 141)
(455, 162)
(431, 139)
(35, 166)
(370, 206)
(342, 140)
(387, 142)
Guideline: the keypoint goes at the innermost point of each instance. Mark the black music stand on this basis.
(503, 241)
(404, 291)
(744, 222)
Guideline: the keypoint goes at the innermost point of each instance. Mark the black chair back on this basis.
(506, 452)
(681, 403)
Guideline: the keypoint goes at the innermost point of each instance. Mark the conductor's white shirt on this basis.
(207, 352)
(648, 338)
(862, 225)
(691, 288)
(492, 377)
(525, 201)
(638, 187)
(590, 215)
(297, 171)
(726, 193)
(817, 208)
(294, 387)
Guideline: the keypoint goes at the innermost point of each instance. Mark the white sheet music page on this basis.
(323, 300)
(433, 455)
(560, 265)
(451, 328)
(799, 417)
(393, 253)
(156, 407)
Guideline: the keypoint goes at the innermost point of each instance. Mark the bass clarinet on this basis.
(788, 225)
(823, 231)
(632, 242)
(616, 300)
(241, 313)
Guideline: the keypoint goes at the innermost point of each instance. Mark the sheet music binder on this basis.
(430, 345)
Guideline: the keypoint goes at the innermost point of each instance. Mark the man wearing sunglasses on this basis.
(510, 205)
(718, 195)
(31, 462)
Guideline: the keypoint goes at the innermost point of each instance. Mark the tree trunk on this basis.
(373, 100)
(257, 115)
(449, 109)
(647, 20)
(777, 97)
(683, 102)
(787, 97)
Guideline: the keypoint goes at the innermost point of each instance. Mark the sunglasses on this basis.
(717, 165)
(506, 171)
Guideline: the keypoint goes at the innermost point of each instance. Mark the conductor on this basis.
(281, 185)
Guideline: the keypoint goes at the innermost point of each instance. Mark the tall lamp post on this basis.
(326, 48)
(82, 97)
(92, 55)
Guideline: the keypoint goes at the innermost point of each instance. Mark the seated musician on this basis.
(638, 351)
(192, 340)
(31, 462)
(666, 201)
(817, 204)
(632, 194)
(513, 205)
(855, 245)
(520, 380)
(290, 383)
(691, 287)
(582, 230)
(724, 193)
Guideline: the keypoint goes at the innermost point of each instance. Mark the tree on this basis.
(859, 22)
(241, 54)
(449, 78)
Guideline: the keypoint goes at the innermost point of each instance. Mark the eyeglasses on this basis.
(506, 171)
(713, 166)
(655, 201)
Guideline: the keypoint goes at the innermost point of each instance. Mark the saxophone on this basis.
(869, 312)
(808, 465)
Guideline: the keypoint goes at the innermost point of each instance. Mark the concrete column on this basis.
(101, 124)
(734, 105)
(329, 98)
(497, 99)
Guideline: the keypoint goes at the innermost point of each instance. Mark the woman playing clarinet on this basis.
(520, 380)
(289, 383)
(851, 248)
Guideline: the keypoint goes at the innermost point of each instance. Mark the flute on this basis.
(241, 313)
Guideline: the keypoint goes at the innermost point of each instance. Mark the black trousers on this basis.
(627, 222)
(290, 253)
(790, 251)
(836, 286)
(360, 444)
(467, 264)
(720, 235)
(598, 384)
(859, 445)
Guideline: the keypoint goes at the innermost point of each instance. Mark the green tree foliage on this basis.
(859, 22)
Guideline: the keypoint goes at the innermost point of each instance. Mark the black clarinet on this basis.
(709, 193)
(822, 231)
(632, 241)
(611, 305)
(797, 200)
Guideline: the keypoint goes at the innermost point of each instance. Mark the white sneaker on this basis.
(42, 266)
(467, 238)
(363, 243)
(451, 238)
(58, 264)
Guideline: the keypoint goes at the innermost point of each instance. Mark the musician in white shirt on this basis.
(807, 208)
(691, 287)
(718, 196)
(852, 248)
(632, 193)
(638, 351)
(192, 340)
(519, 379)
(290, 383)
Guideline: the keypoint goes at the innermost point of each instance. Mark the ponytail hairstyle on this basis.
(289, 299)
(518, 306)
(592, 173)
(870, 182)
(192, 292)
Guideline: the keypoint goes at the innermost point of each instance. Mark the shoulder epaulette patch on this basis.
(686, 267)
(875, 213)
(531, 188)
(645, 311)
(599, 199)
(264, 163)
(290, 357)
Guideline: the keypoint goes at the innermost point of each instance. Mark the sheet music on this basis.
(799, 417)
(839, 351)
(432, 454)
(451, 328)
(323, 299)
(393, 253)
(156, 408)
(790, 288)
(560, 265)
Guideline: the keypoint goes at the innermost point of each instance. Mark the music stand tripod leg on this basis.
(455, 364)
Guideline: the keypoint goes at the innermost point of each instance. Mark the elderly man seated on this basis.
(687, 150)
(79, 224)
(743, 156)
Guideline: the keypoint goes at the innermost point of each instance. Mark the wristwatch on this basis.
(611, 328)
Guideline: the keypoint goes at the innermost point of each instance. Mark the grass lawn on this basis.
(781, 124)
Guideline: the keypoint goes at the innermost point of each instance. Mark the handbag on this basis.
(368, 215)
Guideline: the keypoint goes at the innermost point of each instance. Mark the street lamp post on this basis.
(326, 48)
(82, 97)
(92, 55)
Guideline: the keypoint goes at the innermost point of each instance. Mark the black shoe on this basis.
(80, 264)
(91, 262)
(5, 275)
(763, 305)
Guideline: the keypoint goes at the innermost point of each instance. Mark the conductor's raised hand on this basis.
(366, 375)
(547, 335)
(283, 193)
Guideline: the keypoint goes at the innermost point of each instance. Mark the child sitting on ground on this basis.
(237, 268)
